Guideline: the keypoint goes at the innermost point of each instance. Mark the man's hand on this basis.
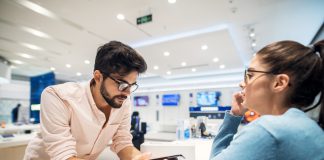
(237, 108)
(143, 156)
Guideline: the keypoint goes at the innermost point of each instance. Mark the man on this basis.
(78, 121)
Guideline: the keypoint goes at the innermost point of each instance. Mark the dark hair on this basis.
(304, 65)
(116, 57)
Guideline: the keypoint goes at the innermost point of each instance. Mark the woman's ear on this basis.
(281, 82)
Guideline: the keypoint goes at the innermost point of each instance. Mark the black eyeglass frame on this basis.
(122, 85)
(246, 71)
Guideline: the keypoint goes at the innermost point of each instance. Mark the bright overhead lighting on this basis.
(17, 61)
(183, 64)
(68, 66)
(52, 68)
(31, 46)
(26, 55)
(193, 69)
(222, 66)
(168, 72)
(204, 47)
(166, 53)
(156, 67)
(172, 1)
(215, 59)
(13, 67)
(252, 34)
(253, 44)
(37, 8)
(120, 17)
(87, 62)
(78, 74)
(36, 32)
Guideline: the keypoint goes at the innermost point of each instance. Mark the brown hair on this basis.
(304, 65)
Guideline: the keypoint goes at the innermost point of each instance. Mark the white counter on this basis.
(192, 149)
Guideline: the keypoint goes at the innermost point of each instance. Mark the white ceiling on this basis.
(79, 27)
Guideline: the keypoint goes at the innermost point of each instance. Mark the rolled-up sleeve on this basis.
(55, 128)
(123, 138)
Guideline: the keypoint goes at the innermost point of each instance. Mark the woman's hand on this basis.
(237, 108)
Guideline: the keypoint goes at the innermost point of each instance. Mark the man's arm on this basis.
(128, 153)
(55, 128)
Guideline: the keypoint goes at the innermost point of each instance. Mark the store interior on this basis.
(196, 52)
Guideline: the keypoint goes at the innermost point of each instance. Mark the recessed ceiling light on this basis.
(172, 1)
(87, 62)
(52, 68)
(222, 66)
(252, 34)
(166, 53)
(120, 16)
(183, 64)
(215, 59)
(168, 72)
(26, 55)
(68, 66)
(36, 32)
(204, 47)
(78, 74)
(193, 69)
(156, 67)
(31, 46)
(253, 44)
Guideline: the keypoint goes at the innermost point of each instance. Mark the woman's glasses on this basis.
(247, 77)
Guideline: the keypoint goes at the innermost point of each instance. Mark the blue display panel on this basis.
(141, 101)
(208, 98)
(37, 85)
(170, 99)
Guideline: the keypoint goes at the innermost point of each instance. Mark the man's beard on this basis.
(111, 101)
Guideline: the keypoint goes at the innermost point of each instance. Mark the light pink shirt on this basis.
(72, 125)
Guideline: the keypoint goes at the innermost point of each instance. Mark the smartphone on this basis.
(173, 157)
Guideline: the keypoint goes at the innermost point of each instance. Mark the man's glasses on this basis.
(122, 86)
(247, 78)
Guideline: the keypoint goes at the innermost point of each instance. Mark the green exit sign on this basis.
(144, 19)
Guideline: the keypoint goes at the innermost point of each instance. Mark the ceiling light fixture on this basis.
(215, 59)
(17, 61)
(78, 74)
(222, 66)
(31, 46)
(68, 66)
(87, 62)
(24, 55)
(183, 64)
(36, 32)
(52, 68)
(172, 1)
(193, 69)
(166, 53)
(37, 8)
(253, 44)
(120, 16)
(156, 67)
(168, 72)
(204, 47)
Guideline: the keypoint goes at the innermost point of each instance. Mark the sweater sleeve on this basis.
(55, 128)
(253, 142)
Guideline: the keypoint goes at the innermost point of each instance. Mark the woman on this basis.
(281, 82)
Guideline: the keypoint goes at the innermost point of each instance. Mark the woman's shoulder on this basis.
(293, 122)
